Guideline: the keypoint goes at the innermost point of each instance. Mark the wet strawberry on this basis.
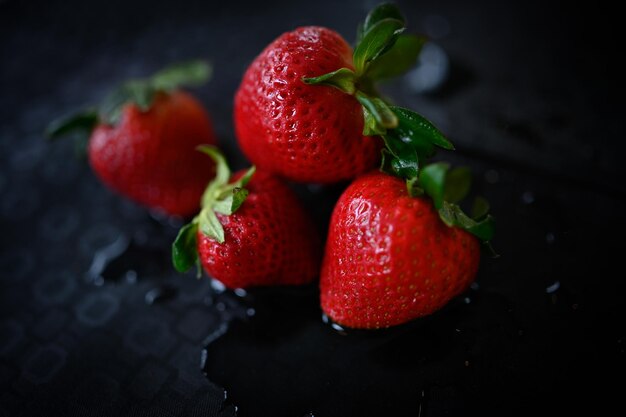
(252, 231)
(392, 257)
(307, 108)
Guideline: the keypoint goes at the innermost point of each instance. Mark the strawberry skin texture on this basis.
(269, 240)
(389, 258)
(303, 132)
(151, 158)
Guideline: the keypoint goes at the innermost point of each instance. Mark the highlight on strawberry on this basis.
(251, 231)
(142, 139)
(399, 245)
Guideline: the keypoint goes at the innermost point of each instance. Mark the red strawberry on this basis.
(302, 132)
(389, 256)
(143, 140)
(268, 239)
(316, 133)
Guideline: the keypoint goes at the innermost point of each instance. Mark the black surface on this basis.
(531, 104)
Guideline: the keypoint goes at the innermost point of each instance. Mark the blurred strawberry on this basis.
(143, 139)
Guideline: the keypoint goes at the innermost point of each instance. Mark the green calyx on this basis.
(448, 188)
(140, 92)
(383, 51)
(220, 196)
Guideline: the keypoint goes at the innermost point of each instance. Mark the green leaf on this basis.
(452, 215)
(239, 196)
(231, 196)
(457, 184)
(82, 123)
(245, 178)
(413, 187)
(189, 74)
(184, 248)
(483, 230)
(377, 40)
(411, 142)
(343, 79)
(139, 92)
(359, 33)
(480, 208)
(381, 12)
(447, 214)
(399, 158)
(230, 200)
(210, 225)
(371, 127)
(379, 110)
(420, 129)
(398, 60)
(223, 204)
(220, 196)
(432, 179)
(222, 173)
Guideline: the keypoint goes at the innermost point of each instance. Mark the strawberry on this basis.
(252, 231)
(143, 139)
(391, 256)
(399, 246)
(291, 121)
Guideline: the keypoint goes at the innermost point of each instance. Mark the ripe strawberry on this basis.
(302, 132)
(288, 125)
(268, 239)
(143, 140)
(390, 257)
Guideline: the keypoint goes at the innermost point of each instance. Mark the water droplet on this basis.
(131, 276)
(160, 294)
(432, 70)
(550, 238)
(474, 286)
(240, 292)
(103, 256)
(467, 300)
(338, 329)
(216, 334)
(250, 312)
(553, 288)
(217, 286)
(203, 357)
(528, 197)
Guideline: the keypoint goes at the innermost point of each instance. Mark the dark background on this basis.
(93, 320)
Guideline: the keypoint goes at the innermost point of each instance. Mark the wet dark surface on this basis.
(94, 321)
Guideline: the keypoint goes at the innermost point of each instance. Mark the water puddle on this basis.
(278, 355)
